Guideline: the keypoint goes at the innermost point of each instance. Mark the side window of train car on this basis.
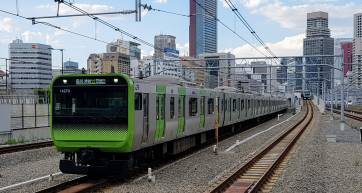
(172, 107)
(138, 101)
(234, 104)
(242, 105)
(210, 106)
(193, 107)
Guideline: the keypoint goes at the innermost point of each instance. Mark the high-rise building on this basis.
(70, 64)
(347, 51)
(30, 66)
(266, 75)
(357, 50)
(203, 27)
(70, 67)
(125, 47)
(197, 74)
(318, 42)
(170, 66)
(282, 71)
(342, 47)
(108, 63)
(163, 42)
(222, 69)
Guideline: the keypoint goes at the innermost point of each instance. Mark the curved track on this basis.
(254, 175)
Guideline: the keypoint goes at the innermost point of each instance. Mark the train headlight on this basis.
(115, 80)
(65, 81)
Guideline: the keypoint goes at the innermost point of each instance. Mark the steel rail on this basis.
(80, 184)
(24, 147)
(349, 114)
(255, 185)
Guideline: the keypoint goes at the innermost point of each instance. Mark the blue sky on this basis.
(279, 23)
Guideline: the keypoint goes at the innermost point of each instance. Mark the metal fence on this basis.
(29, 116)
(23, 99)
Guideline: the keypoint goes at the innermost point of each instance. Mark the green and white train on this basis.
(108, 123)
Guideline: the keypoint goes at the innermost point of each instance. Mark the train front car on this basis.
(92, 122)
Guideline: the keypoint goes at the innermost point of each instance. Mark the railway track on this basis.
(356, 115)
(259, 173)
(23, 147)
(77, 185)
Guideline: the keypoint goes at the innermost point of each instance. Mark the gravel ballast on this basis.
(322, 164)
(26, 165)
(198, 171)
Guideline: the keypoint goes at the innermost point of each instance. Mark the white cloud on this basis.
(294, 16)
(183, 48)
(6, 24)
(90, 8)
(160, 1)
(253, 3)
(50, 39)
(64, 9)
(289, 46)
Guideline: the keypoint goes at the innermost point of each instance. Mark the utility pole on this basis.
(6, 75)
(342, 96)
(138, 6)
(61, 50)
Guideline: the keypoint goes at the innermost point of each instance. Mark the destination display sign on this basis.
(92, 81)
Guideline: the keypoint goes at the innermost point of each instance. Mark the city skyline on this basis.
(285, 38)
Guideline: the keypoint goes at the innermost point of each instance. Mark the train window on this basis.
(172, 107)
(193, 107)
(248, 104)
(225, 104)
(242, 105)
(210, 106)
(222, 104)
(234, 104)
(138, 101)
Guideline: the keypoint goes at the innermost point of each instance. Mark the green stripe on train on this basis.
(160, 105)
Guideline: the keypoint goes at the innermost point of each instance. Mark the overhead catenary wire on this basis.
(117, 29)
(248, 26)
(229, 28)
(53, 26)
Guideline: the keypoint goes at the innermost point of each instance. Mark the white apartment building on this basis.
(168, 66)
(30, 66)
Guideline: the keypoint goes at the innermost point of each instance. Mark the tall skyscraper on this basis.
(203, 27)
(343, 47)
(318, 42)
(163, 42)
(357, 50)
(30, 66)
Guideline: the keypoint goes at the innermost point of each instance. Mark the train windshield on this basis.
(95, 106)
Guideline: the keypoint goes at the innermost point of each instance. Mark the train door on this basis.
(181, 114)
(239, 108)
(223, 108)
(146, 126)
(160, 108)
(202, 112)
(230, 108)
(218, 109)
